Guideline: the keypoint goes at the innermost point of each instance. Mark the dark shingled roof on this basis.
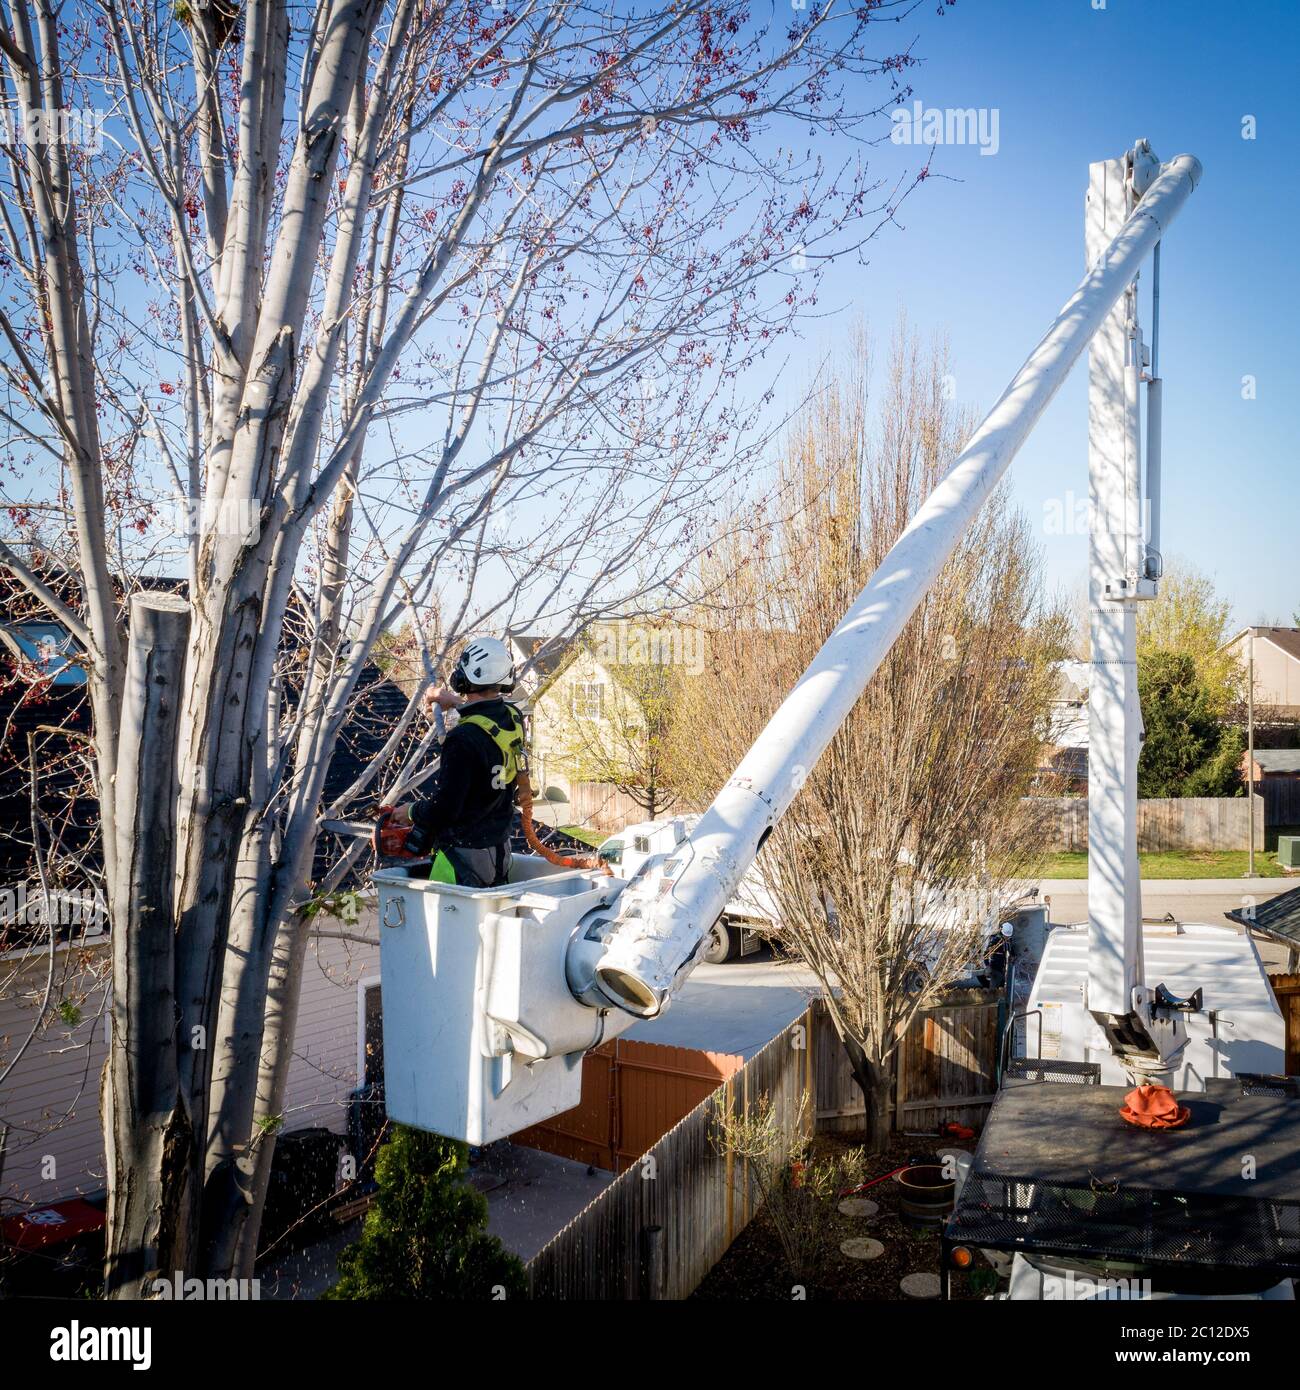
(56, 715)
(377, 707)
(1288, 638)
(1278, 918)
(1278, 759)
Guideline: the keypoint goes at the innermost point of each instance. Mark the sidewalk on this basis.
(1185, 887)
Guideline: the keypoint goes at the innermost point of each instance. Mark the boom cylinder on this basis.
(655, 943)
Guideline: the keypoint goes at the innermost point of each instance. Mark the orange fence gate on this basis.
(633, 1093)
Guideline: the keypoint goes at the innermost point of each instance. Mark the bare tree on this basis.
(412, 302)
(905, 837)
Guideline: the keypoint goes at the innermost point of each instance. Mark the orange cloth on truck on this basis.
(1154, 1107)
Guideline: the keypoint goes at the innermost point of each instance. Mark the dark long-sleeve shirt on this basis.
(464, 808)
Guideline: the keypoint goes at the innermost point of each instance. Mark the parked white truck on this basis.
(750, 915)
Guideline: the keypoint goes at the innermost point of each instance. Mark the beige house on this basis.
(1277, 666)
(581, 718)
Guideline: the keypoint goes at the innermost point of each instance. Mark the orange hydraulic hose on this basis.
(563, 861)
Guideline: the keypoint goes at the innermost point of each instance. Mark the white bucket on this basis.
(482, 1037)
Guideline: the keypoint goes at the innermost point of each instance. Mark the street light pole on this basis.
(1250, 749)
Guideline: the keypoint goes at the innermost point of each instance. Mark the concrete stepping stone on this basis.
(920, 1285)
(862, 1248)
(859, 1206)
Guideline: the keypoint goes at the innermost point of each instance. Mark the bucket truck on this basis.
(750, 916)
(1064, 1195)
(492, 996)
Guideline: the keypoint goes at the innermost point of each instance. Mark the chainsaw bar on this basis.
(353, 829)
(387, 840)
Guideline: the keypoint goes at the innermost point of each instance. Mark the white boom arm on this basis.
(655, 941)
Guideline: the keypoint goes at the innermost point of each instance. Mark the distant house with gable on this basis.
(1277, 668)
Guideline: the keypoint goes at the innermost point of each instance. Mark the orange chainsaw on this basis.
(388, 839)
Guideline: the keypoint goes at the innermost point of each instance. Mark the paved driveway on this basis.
(532, 1195)
(738, 1007)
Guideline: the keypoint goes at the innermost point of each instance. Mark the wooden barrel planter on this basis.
(925, 1195)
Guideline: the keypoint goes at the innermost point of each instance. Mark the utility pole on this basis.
(1250, 749)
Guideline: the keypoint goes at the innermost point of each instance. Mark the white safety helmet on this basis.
(484, 664)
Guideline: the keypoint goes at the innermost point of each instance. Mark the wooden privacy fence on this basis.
(602, 806)
(660, 1226)
(668, 1218)
(945, 1069)
(1281, 796)
(1164, 823)
(632, 1094)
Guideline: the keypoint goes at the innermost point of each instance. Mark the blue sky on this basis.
(987, 253)
(989, 259)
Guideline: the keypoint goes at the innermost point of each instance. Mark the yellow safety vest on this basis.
(509, 741)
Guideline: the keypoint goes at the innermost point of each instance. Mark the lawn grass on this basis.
(1190, 863)
(594, 838)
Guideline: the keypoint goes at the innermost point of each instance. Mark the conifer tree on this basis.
(425, 1237)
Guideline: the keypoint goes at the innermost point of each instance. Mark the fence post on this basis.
(809, 1072)
(729, 1101)
(654, 1267)
(744, 1162)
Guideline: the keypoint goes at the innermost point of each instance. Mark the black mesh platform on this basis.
(1256, 1084)
(1050, 1069)
(1058, 1172)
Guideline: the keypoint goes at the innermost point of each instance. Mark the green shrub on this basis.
(425, 1236)
(1188, 750)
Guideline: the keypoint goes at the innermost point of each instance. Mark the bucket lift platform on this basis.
(441, 945)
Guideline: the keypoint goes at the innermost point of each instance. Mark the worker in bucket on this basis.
(467, 821)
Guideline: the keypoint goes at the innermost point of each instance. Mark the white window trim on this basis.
(368, 982)
(587, 687)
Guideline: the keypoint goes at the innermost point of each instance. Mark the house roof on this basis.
(530, 643)
(1278, 759)
(377, 706)
(58, 718)
(1072, 679)
(1278, 918)
(1286, 639)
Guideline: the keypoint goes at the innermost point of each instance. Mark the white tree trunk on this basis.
(153, 1153)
